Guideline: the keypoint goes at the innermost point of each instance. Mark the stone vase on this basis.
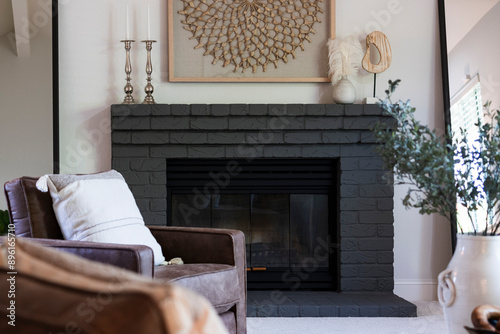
(471, 279)
(344, 92)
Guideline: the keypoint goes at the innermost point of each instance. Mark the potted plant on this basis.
(444, 174)
(4, 221)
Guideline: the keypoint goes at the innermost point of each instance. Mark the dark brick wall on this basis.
(144, 136)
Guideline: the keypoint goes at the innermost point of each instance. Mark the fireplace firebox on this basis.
(287, 209)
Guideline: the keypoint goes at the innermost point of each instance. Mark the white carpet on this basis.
(430, 320)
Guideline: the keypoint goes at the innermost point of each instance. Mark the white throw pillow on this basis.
(100, 208)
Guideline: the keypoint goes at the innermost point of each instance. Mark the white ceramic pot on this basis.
(472, 278)
(344, 92)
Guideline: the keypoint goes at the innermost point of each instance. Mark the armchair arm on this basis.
(201, 245)
(137, 258)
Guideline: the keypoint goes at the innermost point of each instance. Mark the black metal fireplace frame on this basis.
(271, 176)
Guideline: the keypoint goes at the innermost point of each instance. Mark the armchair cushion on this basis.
(99, 208)
(216, 282)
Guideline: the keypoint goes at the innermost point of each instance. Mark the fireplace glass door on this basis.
(286, 230)
(281, 230)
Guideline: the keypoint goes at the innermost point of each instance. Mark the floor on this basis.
(429, 320)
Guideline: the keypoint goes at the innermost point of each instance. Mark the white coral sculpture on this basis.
(345, 56)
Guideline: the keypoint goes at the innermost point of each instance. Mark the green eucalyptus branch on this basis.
(4, 221)
(428, 163)
(417, 156)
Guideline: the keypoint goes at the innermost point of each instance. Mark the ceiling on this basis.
(462, 16)
(16, 15)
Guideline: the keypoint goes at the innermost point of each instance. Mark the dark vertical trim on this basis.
(446, 98)
(55, 86)
(444, 65)
(336, 264)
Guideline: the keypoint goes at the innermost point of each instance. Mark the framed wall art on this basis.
(249, 40)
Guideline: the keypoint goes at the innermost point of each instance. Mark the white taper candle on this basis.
(127, 36)
(149, 24)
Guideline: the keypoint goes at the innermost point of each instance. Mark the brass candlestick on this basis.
(129, 89)
(149, 99)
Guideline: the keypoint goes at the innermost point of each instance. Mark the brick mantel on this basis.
(145, 136)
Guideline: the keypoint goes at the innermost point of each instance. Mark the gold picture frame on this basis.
(188, 64)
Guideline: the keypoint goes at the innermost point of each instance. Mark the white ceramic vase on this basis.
(471, 279)
(343, 91)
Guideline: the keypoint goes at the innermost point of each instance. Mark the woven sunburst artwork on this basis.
(251, 34)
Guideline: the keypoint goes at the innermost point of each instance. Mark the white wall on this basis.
(475, 54)
(26, 102)
(92, 78)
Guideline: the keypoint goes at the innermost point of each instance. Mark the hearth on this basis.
(287, 209)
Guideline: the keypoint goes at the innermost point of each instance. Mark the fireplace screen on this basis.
(281, 230)
(285, 224)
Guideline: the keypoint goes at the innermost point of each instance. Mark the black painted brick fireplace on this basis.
(145, 136)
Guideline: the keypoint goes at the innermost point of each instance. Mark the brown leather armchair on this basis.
(52, 291)
(214, 259)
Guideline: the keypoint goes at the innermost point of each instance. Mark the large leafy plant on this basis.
(441, 171)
